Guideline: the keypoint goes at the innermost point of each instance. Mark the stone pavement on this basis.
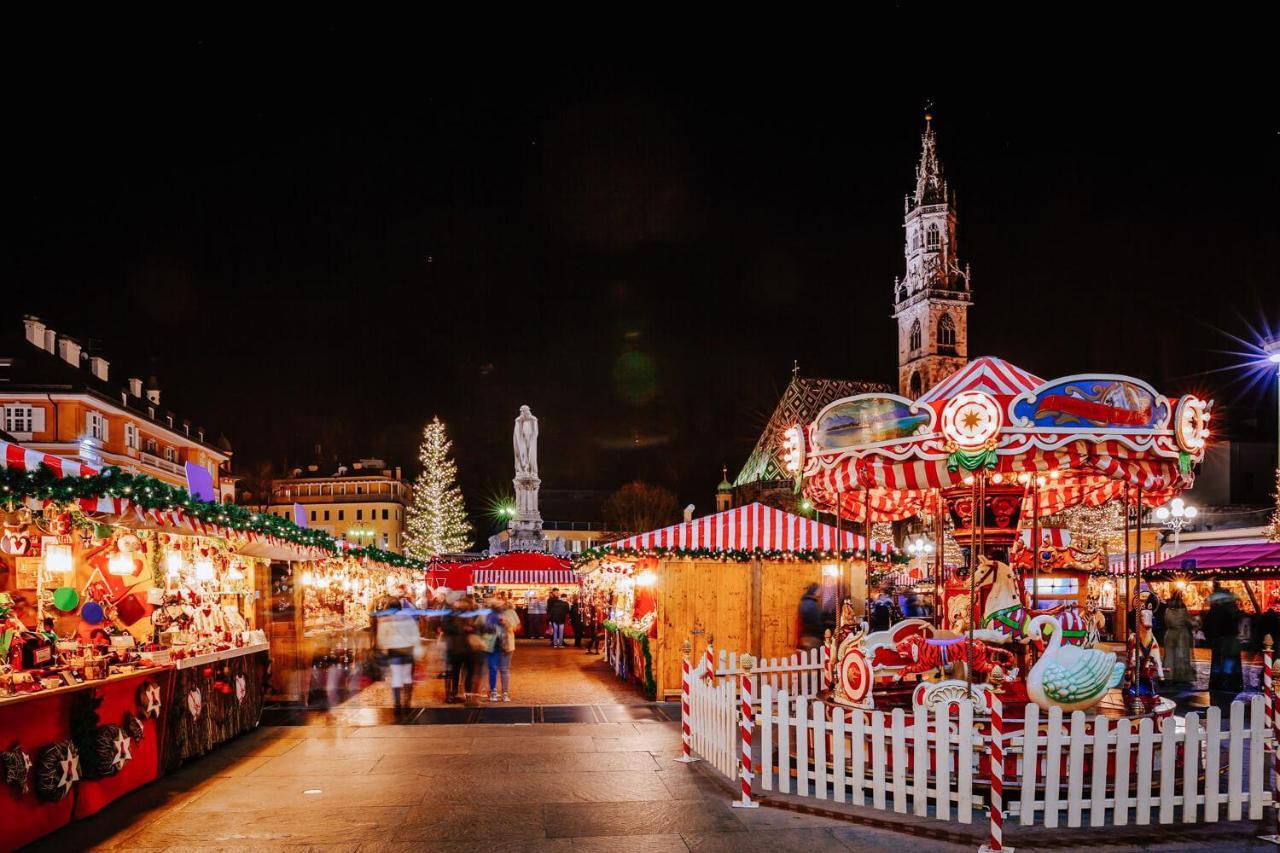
(536, 787)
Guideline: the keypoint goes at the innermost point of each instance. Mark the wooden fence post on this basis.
(686, 723)
(748, 723)
(995, 773)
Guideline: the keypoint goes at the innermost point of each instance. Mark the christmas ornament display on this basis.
(149, 700)
(66, 599)
(17, 768)
(57, 770)
(241, 688)
(195, 703)
(109, 750)
(92, 613)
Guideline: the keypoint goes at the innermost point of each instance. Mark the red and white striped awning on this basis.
(988, 374)
(497, 577)
(754, 527)
(25, 459)
(1115, 562)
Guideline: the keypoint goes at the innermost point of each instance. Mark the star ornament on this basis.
(70, 767)
(149, 699)
(123, 751)
(971, 419)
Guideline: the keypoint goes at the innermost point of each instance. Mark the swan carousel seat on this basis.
(1069, 677)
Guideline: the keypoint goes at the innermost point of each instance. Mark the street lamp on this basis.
(920, 548)
(1272, 349)
(1175, 516)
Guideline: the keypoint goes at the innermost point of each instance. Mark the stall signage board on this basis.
(200, 482)
(1093, 402)
(866, 419)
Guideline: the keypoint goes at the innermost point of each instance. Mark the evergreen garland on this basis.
(148, 493)
(437, 520)
(741, 555)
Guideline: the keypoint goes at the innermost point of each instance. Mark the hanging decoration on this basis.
(17, 768)
(133, 727)
(57, 770)
(971, 423)
(108, 751)
(149, 700)
(195, 703)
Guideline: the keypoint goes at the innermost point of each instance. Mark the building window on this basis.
(131, 436)
(22, 419)
(359, 515)
(384, 515)
(946, 331)
(342, 515)
(326, 515)
(915, 336)
(170, 454)
(932, 239)
(397, 513)
(96, 426)
(384, 541)
(917, 387)
(313, 515)
(151, 446)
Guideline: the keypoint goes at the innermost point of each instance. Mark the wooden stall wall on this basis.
(782, 585)
(709, 593)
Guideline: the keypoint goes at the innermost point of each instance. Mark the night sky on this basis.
(305, 254)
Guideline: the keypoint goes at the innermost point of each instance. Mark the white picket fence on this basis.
(1073, 770)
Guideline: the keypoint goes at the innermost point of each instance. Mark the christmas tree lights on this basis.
(437, 519)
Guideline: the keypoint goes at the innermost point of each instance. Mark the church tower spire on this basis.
(931, 300)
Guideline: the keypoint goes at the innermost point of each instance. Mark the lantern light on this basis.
(120, 564)
(234, 573)
(646, 578)
(58, 558)
(204, 569)
(173, 563)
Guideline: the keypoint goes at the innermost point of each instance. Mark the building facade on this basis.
(59, 398)
(364, 503)
(931, 300)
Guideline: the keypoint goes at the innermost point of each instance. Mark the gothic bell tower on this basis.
(931, 302)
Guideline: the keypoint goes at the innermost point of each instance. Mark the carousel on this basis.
(987, 455)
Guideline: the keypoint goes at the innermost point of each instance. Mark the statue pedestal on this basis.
(526, 527)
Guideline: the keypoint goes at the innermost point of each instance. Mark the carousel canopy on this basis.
(512, 567)
(754, 527)
(1090, 437)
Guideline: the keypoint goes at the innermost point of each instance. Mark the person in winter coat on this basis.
(502, 620)
(810, 619)
(397, 637)
(1222, 630)
(557, 613)
(1177, 641)
(575, 620)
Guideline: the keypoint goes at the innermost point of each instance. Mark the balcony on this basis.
(161, 463)
(282, 498)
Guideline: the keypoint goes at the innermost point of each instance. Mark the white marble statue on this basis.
(525, 438)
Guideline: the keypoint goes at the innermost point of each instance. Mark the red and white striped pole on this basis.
(826, 661)
(745, 728)
(1273, 674)
(686, 719)
(710, 672)
(995, 773)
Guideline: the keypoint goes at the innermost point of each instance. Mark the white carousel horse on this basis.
(1147, 645)
(1006, 609)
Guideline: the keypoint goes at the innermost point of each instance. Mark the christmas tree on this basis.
(437, 520)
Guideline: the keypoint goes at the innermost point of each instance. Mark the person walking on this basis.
(592, 627)
(575, 621)
(1177, 641)
(459, 630)
(810, 615)
(502, 620)
(557, 612)
(397, 638)
(1222, 630)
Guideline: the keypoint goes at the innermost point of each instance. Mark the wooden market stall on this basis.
(526, 576)
(1251, 572)
(737, 576)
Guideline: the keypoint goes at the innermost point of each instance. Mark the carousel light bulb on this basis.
(57, 558)
(120, 564)
(997, 477)
(1053, 475)
(204, 569)
(968, 481)
(1024, 478)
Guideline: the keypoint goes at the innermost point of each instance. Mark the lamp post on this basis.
(920, 548)
(1272, 349)
(1175, 516)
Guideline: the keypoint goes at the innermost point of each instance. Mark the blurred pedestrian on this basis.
(575, 621)
(458, 626)
(592, 626)
(502, 620)
(1222, 630)
(1177, 641)
(810, 619)
(557, 613)
(398, 638)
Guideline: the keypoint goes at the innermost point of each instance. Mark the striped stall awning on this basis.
(754, 527)
(543, 577)
(1115, 562)
(24, 459)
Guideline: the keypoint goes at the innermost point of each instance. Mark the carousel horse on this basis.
(1006, 609)
(1147, 647)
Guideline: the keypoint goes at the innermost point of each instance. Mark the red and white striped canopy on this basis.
(1115, 562)
(754, 527)
(25, 459)
(533, 568)
(988, 374)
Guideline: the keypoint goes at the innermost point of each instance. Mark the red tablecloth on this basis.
(43, 720)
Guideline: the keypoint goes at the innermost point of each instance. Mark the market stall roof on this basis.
(1262, 555)
(988, 374)
(511, 567)
(24, 459)
(754, 527)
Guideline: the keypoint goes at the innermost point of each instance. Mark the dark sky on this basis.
(314, 250)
